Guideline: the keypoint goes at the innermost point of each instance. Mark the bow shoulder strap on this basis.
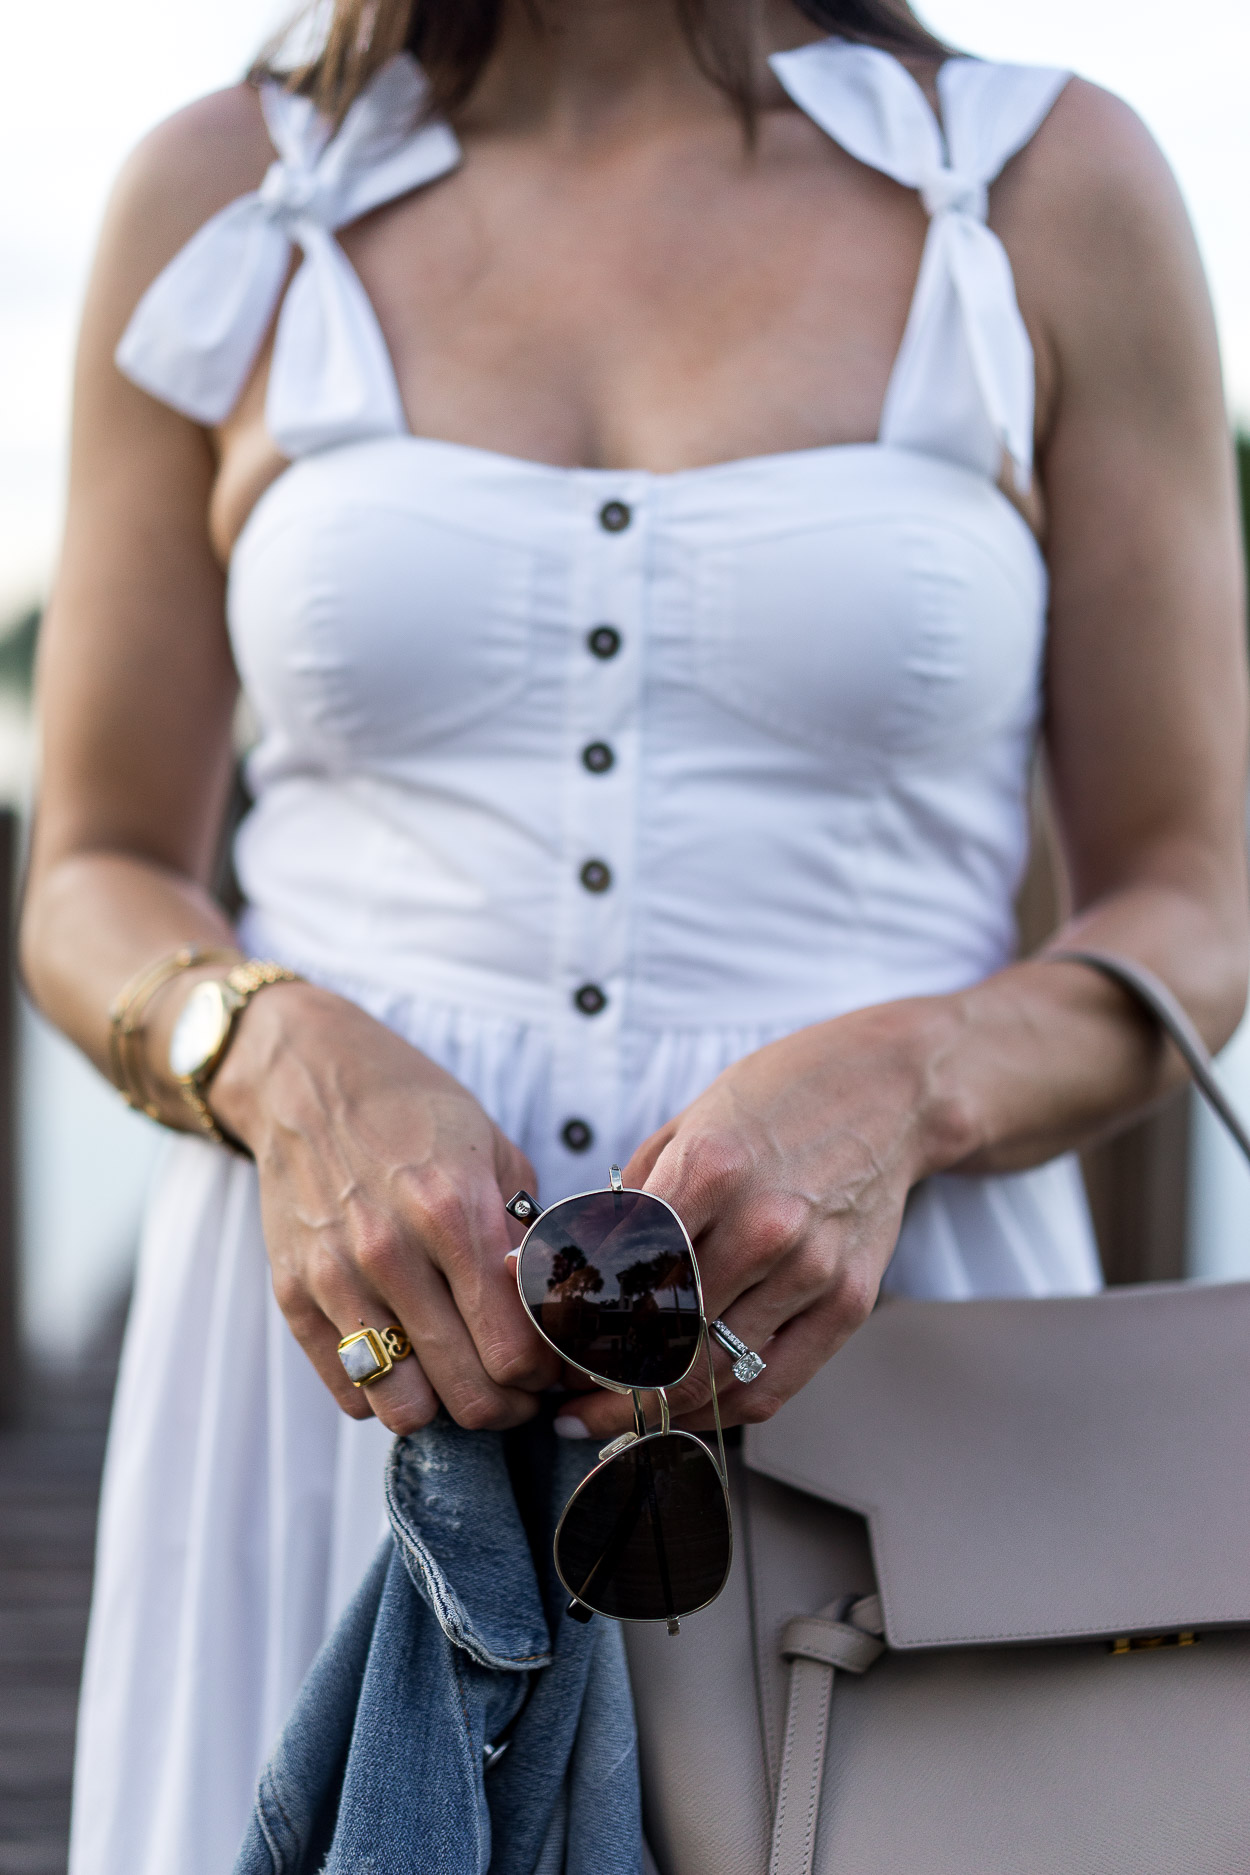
(194, 336)
(962, 386)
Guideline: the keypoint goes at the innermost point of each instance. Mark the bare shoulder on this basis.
(1089, 135)
(1091, 202)
(183, 172)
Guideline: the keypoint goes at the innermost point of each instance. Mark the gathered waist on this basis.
(774, 1001)
(577, 1100)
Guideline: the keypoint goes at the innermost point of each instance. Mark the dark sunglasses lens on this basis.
(646, 1536)
(611, 1283)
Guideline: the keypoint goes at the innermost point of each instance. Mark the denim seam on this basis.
(267, 1794)
(450, 1613)
(462, 1693)
(457, 1667)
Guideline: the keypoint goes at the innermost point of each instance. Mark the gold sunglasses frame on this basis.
(528, 1211)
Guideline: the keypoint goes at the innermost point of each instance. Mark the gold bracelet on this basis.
(126, 1031)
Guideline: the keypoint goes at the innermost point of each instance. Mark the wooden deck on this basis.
(49, 1483)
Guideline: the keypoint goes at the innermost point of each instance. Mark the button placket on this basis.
(596, 839)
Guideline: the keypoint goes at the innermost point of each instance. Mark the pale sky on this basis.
(87, 77)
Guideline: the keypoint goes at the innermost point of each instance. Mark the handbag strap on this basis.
(1163, 1006)
(847, 1635)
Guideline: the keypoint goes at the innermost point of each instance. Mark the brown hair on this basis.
(453, 39)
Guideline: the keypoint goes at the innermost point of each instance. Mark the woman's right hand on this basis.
(382, 1186)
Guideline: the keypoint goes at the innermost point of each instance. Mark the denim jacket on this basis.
(456, 1721)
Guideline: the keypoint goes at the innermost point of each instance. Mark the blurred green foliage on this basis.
(17, 652)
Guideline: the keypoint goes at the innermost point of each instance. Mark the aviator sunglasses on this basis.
(609, 1280)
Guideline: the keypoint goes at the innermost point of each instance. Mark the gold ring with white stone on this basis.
(372, 1352)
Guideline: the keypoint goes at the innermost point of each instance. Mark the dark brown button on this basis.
(598, 757)
(596, 876)
(604, 641)
(614, 517)
(577, 1136)
(590, 999)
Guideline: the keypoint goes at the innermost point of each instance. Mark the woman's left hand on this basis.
(790, 1173)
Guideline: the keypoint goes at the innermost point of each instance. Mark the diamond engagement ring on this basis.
(747, 1364)
(372, 1352)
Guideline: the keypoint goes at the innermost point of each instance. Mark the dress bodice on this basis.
(654, 765)
(800, 769)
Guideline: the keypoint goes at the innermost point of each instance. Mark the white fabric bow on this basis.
(965, 301)
(195, 334)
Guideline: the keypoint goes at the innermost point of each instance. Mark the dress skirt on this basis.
(241, 1507)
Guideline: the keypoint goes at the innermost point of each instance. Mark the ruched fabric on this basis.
(588, 783)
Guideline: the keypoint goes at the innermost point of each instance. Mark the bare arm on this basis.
(380, 1177)
(792, 1170)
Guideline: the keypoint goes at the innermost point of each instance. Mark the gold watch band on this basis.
(240, 984)
(126, 1013)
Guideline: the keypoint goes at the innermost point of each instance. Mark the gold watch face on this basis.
(199, 1031)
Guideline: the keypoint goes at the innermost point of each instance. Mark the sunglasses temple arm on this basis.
(711, 1380)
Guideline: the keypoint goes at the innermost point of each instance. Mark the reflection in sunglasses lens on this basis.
(611, 1282)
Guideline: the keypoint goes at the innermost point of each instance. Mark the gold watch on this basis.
(204, 1030)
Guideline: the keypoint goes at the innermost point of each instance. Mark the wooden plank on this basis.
(49, 1486)
(10, 1346)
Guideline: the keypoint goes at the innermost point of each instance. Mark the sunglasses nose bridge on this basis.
(640, 1414)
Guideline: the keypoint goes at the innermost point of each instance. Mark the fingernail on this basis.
(568, 1426)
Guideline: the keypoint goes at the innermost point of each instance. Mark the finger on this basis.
(400, 1286)
(465, 1236)
(754, 1316)
(796, 1319)
(319, 1338)
(700, 1174)
(515, 1174)
(421, 1302)
(763, 1318)
(643, 1162)
(403, 1399)
(797, 1351)
(601, 1414)
(447, 1353)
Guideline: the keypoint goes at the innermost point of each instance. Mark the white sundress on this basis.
(587, 782)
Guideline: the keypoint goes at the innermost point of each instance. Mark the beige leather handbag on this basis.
(990, 1606)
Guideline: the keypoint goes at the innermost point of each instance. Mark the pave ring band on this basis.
(747, 1364)
(372, 1352)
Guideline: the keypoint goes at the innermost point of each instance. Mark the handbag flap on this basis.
(1039, 1468)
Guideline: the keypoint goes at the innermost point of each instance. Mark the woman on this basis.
(631, 556)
